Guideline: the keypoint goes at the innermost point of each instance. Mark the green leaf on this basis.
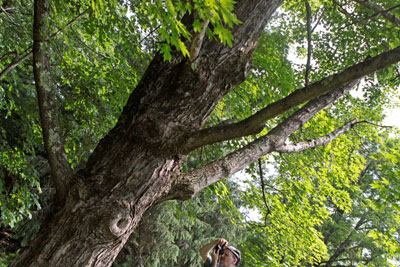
(197, 26)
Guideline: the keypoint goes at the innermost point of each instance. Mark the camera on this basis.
(220, 248)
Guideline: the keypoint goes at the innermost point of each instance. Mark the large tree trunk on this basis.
(138, 162)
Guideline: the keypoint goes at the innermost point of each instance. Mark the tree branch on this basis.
(193, 182)
(263, 192)
(309, 45)
(197, 41)
(342, 247)
(8, 54)
(5, 12)
(15, 63)
(380, 10)
(321, 141)
(60, 168)
(365, 18)
(374, 124)
(255, 123)
(303, 115)
(28, 52)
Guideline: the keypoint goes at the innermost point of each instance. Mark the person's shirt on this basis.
(208, 262)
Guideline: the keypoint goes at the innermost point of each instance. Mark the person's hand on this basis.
(214, 255)
(222, 242)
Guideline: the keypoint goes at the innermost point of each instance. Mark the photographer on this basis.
(228, 255)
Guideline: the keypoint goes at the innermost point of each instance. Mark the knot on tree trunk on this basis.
(119, 221)
(119, 225)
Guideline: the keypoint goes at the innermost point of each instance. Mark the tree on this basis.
(138, 162)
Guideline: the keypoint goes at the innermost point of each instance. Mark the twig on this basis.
(7, 54)
(10, 19)
(5, 12)
(361, 138)
(69, 24)
(318, 21)
(147, 35)
(263, 190)
(372, 123)
(342, 10)
(16, 63)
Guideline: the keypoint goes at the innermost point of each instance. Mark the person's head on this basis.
(230, 258)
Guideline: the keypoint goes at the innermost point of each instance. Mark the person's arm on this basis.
(205, 250)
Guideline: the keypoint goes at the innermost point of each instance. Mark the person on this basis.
(229, 258)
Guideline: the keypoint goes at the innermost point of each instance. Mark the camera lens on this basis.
(220, 248)
(221, 251)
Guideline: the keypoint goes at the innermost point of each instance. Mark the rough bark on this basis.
(136, 163)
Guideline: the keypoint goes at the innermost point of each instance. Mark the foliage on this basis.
(4, 262)
(164, 18)
(316, 198)
(367, 235)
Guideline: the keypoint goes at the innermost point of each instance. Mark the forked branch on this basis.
(194, 181)
(255, 123)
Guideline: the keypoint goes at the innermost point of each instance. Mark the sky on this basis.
(393, 117)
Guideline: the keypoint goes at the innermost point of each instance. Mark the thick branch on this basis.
(321, 141)
(303, 115)
(28, 52)
(255, 123)
(380, 10)
(60, 169)
(213, 172)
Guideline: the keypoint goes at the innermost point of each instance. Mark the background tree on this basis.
(171, 234)
(138, 162)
